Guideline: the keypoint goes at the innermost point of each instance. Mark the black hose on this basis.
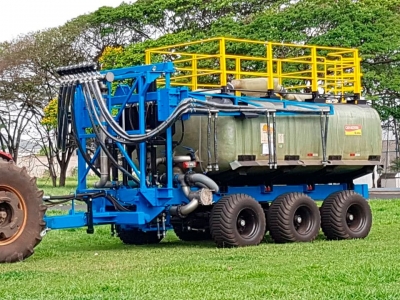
(61, 105)
(60, 93)
(183, 133)
(181, 109)
(75, 131)
(82, 197)
(93, 85)
(127, 138)
(64, 120)
(115, 126)
(102, 145)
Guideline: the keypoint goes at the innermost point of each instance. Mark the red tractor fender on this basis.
(5, 156)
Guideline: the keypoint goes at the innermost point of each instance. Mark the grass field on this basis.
(70, 264)
(70, 185)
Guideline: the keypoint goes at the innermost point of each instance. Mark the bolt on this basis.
(299, 219)
(351, 217)
(242, 222)
(3, 216)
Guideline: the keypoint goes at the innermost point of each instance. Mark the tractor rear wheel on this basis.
(345, 215)
(293, 217)
(237, 220)
(21, 213)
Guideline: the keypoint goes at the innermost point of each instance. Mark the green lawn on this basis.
(70, 185)
(70, 264)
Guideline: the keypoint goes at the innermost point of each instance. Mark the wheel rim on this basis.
(247, 223)
(303, 220)
(12, 215)
(355, 218)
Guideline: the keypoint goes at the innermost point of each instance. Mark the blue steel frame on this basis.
(152, 201)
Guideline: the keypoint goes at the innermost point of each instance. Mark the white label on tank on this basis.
(265, 149)
(264, 133)
(281, 138)
(264, 128)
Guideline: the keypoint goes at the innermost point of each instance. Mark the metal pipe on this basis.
(216, 167)
(177, 159)
(90, 105)
(182, 158)
(274, 139)
(269, 139)
(104, 170)
(188, 208)
(209, 166)
(104, 175)
(184, 186)
(184, 180)
(201, 178)
(184, 106)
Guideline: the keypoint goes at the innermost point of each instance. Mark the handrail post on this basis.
(270, 69)
(314, 82)
(342, 90)
(237, 73)
(357, 76)
(147, 57)
(222, 52)
(194, 72)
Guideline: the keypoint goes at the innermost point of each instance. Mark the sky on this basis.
(24, 16)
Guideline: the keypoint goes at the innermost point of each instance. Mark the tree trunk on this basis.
(63, 176)
(52, 172)
(63, 161)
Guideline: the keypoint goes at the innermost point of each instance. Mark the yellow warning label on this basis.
(352, 130)
(267, 139)
(264, 133)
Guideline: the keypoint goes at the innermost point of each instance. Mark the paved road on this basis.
(384, 193)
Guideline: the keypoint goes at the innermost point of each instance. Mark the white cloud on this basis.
(23, 16)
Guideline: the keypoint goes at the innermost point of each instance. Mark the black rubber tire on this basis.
(191, 236)
(138, 237)
(283, 214)
(226, 214)
(335, 221)
(19, 197)
(265, 207)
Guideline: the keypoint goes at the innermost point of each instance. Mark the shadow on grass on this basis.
(116, 245)
(269, 240)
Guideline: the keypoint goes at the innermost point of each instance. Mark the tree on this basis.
(19, 95)
(146, 20)
(49, 50)
(29, 82)
(395, 165)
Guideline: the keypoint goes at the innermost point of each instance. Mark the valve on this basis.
(191, 152)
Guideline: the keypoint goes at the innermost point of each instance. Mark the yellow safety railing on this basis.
(211, 63)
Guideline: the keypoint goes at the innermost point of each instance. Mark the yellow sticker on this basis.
(264, 128)
(352, 130)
